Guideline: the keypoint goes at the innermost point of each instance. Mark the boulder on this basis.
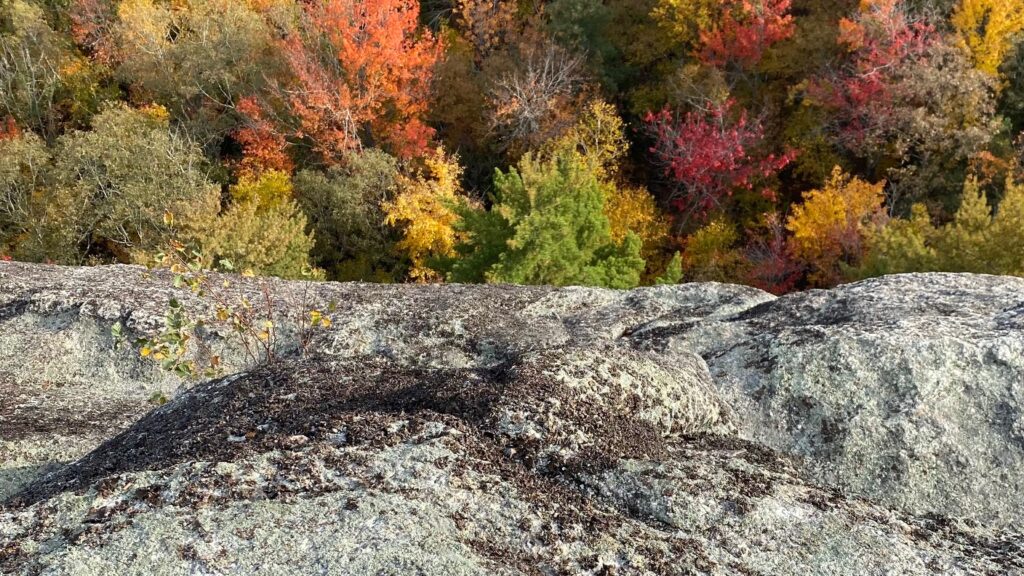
(907, 390)
(692, 429)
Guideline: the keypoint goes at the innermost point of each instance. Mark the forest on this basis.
(783, 144)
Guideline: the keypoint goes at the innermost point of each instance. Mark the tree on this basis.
(768, 260)
(262, 230)
(830, 226)
(361, 75)
(598, 136)
(989, 28)
(746, 30)
(711, 253)
(632, 210)
(425, 211)
(907, 104)
(547, 226)
(864, 95)
(39, 72)
(345, 210)
(126, 188)
(673, 271)
(708, 156)
(687, 20)
(24, 171)
(535, 102)
(976, 240)
(197, 58)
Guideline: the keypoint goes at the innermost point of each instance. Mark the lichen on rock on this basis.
(693, 429)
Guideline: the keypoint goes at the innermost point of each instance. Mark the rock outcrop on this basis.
(693, 429)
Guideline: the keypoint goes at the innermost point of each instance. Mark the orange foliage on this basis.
(9, 129)
(263, 147)
(90, 27)
(362, 72)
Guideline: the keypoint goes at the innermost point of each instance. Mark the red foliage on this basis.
(709, 156)
(5, 258)
(362, 73)
(770, 264)
(747, 30)
(879, 38)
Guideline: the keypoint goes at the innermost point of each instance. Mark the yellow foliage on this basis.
(424, 210)
(271, 189)
(829, 228)
(144, 23)
(634, 210)
(710, 254)
(598, 136)
(157, 113)
(988, 29)
(685, 19)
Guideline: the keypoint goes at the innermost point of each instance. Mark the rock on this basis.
(58, 362)
(692, 429)
(433, 480)
(908, 390)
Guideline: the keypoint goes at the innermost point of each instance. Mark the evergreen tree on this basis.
(547, 226)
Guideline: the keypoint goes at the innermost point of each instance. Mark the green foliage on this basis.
(673, 272)
(180, 348)
(110, 194)
(975, 241)
(547, 226)
(345, 210)
(263, 230)
(114, 186)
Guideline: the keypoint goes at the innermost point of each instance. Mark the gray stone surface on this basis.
(908, 389)
(693, 429)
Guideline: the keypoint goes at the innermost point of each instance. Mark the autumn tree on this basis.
(598, 136)
(712, 253)
(688, 20)
(710, 155)
(425, 212)
(830, 226)
(197, 58)
(744, 33)
(907, 103)
(24, 180)
(989, 29)
(124, 189)
(361, 76)
(768, 261)
(536, 101)
(262, 230)
(44, 85)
